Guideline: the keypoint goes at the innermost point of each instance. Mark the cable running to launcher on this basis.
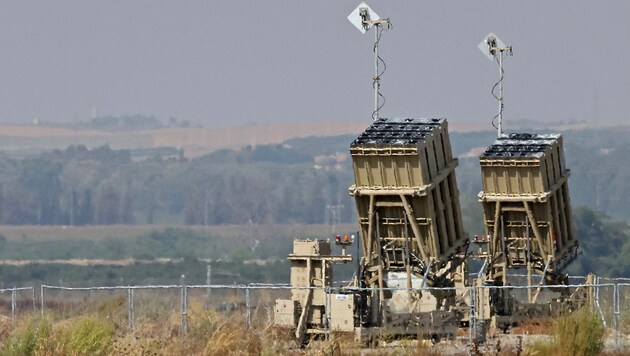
(363, 18)
(493, 48)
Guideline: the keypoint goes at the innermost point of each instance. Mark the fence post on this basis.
(617, 312)
(184, 306)
(13, 306)
(473, 324)
(327, 314)
(34, 306)
(130, 315)
(597, 305)
(41, 291)
(471, 316)
(208, 283)
(248, 309)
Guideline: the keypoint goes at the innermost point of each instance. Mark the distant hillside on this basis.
(195, 141)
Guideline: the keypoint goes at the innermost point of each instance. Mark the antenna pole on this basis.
(499, 53)
(377, 79)
(494, 49)
(364, 19)
(500, 126)
(378, 30)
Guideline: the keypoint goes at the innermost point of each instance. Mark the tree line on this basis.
(277, 183)
(80, 186)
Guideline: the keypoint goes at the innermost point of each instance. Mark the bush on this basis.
(29, 339)
(580, 333)
(87, 335)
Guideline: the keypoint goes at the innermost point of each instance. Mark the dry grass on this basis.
(535, 327)
(210, 332)
(616, 353)
(578, 333)
(103, 330)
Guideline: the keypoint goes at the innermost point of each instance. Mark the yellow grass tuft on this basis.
(578, 333)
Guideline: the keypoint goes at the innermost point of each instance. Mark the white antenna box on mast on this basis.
(364, 18)
(493, 48)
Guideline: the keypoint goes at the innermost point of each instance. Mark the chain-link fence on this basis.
(252, 303)
(15, 303)
(174, 307)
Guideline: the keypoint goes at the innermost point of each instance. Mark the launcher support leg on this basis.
(381, 282)
(542, 279)
(368, 239)
(306, 306)
(494, 242)
(414, 227)
(534, 225)
(529, 281)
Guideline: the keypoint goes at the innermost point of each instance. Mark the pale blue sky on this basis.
(233, 62)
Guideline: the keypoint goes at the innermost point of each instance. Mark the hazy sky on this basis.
(233, 62)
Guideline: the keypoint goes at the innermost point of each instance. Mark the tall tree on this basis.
(108, 205)
(85, 210)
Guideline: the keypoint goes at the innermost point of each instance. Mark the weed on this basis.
(86, 335)
(31, 337)
(578, 333)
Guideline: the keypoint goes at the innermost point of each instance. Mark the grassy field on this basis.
(52, 233)
(104, 329)
(151, 254)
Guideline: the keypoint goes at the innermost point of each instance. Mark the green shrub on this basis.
(87, 335)
(580, 333)
(29, 339)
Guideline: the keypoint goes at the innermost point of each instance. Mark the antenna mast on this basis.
(494, 49)
(363, 18)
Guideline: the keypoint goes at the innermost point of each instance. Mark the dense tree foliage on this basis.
(604, 244)
(293, 182)
(268, 183)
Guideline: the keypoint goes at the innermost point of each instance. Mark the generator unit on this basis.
(309, 309)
